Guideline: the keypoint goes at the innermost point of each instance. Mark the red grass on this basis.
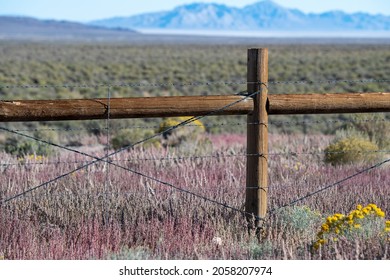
(80, 217)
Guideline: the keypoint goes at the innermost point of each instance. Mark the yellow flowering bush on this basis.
(299, 218)
(171, 122)
(361, 220)
(352, 149)
(175, 137)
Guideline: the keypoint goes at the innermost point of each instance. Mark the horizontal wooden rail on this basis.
(139, 107)
(329, 103)
(87, 109)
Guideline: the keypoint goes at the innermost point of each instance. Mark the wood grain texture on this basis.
(86, 109)
(329, 103)
(149, 107)
(257, 135)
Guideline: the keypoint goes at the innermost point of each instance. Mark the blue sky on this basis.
(85, 10)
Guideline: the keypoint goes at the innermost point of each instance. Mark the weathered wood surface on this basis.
(257, 136)
(84, 109)
(329, 103)
(278, 104)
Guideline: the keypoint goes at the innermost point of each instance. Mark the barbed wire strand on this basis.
(139, 174)
(361, 81)
(208, 125)
(331, 185)
(193, 83)
(194, 157)
(127, 85)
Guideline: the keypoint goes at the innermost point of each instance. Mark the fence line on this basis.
(304, 122)
(200, 157)
(105, 159)
(295, 201)
(224, 205)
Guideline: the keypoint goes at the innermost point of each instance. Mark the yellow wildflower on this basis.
(338, 224)
(325, 227)
(380, 213)
(373, 206)
(339, 216)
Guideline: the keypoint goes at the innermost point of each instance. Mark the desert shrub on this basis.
(374, 127)
(352, 149)
(260, 250)
(21, 146)
(363, 222)
(175, 137)
(300, 219)
(127, 137)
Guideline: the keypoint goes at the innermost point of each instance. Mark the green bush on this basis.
(352, 149)
(23, 146)
(127, 137)
(300, 219)
(260, 250)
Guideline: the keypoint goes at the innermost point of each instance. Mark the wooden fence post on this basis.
(257, 136)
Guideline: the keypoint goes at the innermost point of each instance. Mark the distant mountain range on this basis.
(30, 28)
(264, 15)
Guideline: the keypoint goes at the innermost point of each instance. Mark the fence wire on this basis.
(338, 183)
(194, 83)
(183, 158)
(303, 122)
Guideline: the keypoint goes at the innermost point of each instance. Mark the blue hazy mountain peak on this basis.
(262, 15)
